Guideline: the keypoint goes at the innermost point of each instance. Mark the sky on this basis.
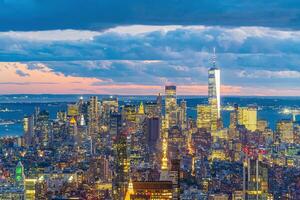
(136, 47)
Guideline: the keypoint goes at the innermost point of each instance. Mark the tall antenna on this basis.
(214, 58)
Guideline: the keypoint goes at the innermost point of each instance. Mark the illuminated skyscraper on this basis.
(255, 176)
(234, 117)
(164, 174)
(141, 110)
(19, 174)
(121, 167)
(61, 116)
(93, 115)
(214, 85)
(159, 102)
(129, 113)
(171, 105)
(115, 124)
(42, 128)
(30, 189)
(285, 130)
(108, 106)
(247, 116)
(73, 110)
(152, 109)
(28, 126)
(204, 116)
(73, 131)
(183, 114)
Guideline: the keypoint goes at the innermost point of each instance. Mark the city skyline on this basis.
(149, 100)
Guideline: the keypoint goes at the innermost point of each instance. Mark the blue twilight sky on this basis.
(138, 46)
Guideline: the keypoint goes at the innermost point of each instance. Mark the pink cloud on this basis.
(43, 80)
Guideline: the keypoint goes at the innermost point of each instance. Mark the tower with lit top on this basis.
(19, 174)
(214, 85)
(141, 110)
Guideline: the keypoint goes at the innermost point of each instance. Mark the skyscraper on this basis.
(28, 126)
(214, 84)
(183, 114)
(93, 115)
(247, 116)
(152, 132)
(121, 167)
(171, 105)
(42, 128)
(285, 130)
(108, 106)
(159, 102)
(19, 174)
(204, 116)
(255, 176)
(115, 124)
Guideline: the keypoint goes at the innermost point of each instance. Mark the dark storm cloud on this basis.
(25, 15)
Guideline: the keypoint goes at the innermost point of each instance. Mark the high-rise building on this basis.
(262, 125)
(30, 191)
(171, 105)
(234, 117)
(174, 177)
(152, 109)
(121, 167)
(108, 105)
(247, 116)
(99, 170)
(214, 91)
(183, 114)
(28, 126)
(73, 110)
(159, 103)
(204, 116)
(115, 124)
(152, 126)
(164, 174)
(61, 116)
(42, 128)
(255, 176)
(93, 115)
(214, 99)
(141, 109)
(129, 112)
(19, 174)
(285, 130)
(73, 131)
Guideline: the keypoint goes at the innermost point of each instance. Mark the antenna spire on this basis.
(214, 58)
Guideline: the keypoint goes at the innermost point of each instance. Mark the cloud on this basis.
(51, 35)
(32, 15)
(72, 84)
(158, 55)
(268, 74)
(40, 80)
(27, 83)
(237, 45)
(21, 73)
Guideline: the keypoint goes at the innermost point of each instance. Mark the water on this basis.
(14, 107)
